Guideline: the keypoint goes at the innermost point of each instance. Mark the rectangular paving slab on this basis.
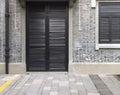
(61, 83)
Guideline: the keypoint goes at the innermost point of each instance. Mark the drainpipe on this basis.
(7, 36)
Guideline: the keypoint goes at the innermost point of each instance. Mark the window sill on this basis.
(108, 46)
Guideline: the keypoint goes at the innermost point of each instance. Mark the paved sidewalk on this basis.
(60, 83)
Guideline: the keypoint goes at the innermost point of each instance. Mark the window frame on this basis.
(97, 44)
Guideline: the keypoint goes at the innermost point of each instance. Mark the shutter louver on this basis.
(36, 44)
(47, 36)
(109, 22)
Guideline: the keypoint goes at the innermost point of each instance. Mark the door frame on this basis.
(67, 41)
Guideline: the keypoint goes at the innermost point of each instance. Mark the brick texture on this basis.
(83, 34)
(15, 32)
(2, 30)
(84, 37)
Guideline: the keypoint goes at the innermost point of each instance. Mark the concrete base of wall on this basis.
(95, 68)
(2, 68)
(73, 68)
(17, 68)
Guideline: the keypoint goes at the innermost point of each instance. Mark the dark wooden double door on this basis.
(47, 36)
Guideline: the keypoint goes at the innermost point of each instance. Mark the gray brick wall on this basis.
(84, 39)
(15, 32)
(2, 29)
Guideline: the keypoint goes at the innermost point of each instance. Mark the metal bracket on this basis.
(22, 3)
(93, 3)
(71, 2)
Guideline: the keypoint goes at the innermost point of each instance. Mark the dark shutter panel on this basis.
(115, 30)
(57, 37)
(109, 22)
(36, 43)
(47, 47)
(57, 43)
(104, 30)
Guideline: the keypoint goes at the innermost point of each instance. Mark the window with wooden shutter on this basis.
(109, 22)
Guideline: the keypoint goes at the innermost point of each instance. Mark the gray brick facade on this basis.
(2, 30)
(83, 35)
(84, 38)
(15, 32)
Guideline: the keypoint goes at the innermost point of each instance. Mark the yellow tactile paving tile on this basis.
(5, 85)
(6, 81)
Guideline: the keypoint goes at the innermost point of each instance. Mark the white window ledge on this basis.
(114, 46)
(93, 2)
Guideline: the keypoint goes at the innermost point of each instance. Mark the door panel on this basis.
(47, 36)
(57, 43)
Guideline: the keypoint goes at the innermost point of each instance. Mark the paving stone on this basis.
(53, 93)
(112, 84)
(50, 78)
(94, 94)
(82, 92)
(39, 84)
(55, 81)
(47, 88)
(79, 83)
(55, 87)
(71, 79)
(100, 85)
(74, 91)
(105, 92)
(45, 93)
(64, 92)
(73, 85)
(63, 83)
